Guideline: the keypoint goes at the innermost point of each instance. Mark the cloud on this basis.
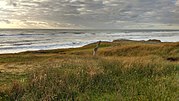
(90, 13)
(5, 21)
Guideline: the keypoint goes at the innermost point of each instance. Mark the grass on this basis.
(122, 71)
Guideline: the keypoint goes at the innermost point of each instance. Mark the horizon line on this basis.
(85, 29)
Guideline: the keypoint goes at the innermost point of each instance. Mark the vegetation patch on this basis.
(121, 71)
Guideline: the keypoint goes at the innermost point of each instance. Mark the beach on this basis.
(89, 50)
(20, 40)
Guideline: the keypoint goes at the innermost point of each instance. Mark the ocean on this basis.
(20, 40)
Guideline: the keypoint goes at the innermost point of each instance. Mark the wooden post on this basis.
(96, 48)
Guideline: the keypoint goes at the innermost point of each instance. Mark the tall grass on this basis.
(120, 72)
(100, 79)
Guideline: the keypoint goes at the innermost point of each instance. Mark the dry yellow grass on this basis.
(122, 70)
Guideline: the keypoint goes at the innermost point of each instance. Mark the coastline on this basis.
(34, 40)
(150, 41)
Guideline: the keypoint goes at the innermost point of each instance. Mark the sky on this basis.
(90, 14)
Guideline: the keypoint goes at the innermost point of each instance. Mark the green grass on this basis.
(121, 72)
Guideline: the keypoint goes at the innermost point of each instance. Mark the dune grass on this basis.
(122, 71)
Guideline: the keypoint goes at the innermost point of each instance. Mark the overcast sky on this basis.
(96, 14)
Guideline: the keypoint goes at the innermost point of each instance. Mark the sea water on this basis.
(20, 40)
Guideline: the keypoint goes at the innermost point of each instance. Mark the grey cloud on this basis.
(94, 13)
(5, 21)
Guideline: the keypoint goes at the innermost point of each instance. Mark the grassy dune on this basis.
(121, 71)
